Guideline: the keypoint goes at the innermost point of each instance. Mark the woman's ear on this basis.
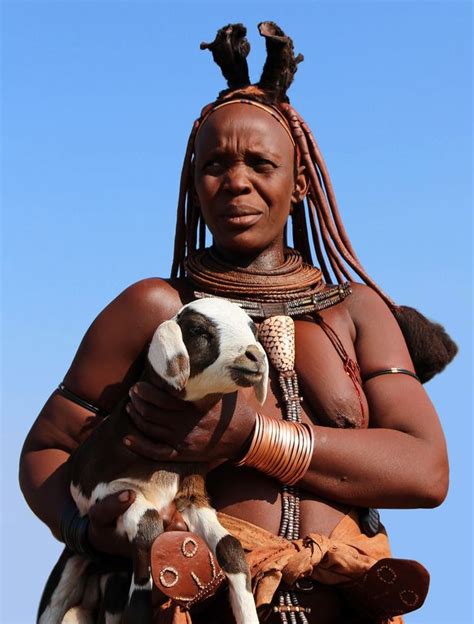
(301, 186)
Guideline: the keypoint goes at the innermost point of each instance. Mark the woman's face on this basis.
(245, 178)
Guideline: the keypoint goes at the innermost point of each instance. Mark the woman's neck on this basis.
(262, 261)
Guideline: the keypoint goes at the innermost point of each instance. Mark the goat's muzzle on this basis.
(247, 369)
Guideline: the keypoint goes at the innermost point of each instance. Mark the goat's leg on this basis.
(85, 612)
(230, 555)
(139, 607)
(64, 588)
(114, 589)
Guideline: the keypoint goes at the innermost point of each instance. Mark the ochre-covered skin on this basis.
(394, 458)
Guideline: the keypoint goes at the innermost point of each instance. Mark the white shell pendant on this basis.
(277, 335)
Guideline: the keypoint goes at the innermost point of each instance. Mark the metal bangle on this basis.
(74, 532)
(390, 371)
(75, 398)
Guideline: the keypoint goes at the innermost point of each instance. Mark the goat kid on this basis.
(209, 347)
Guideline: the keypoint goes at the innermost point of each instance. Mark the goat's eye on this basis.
(198, 331)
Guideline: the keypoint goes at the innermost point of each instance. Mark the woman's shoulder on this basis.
(366, 305)
(128, 322)
(112, 350)
(155, 298)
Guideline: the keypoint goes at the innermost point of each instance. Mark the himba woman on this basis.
(252, 175)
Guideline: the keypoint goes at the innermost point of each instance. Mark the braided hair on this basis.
(430, 346)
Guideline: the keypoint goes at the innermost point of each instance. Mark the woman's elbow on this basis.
(434, 486)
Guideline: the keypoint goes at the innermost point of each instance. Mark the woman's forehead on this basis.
(243, 123)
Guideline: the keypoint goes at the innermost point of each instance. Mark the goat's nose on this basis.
(254, 354)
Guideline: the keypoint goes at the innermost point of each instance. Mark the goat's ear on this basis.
(168, 355)
(262, 387)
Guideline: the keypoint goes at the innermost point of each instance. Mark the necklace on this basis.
(292, 289)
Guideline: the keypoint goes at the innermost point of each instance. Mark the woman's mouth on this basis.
(241, 219)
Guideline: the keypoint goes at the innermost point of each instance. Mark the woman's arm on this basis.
(401, 460)
(108, 361)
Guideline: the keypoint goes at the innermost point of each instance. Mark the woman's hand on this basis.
(103, 518)
(170, 429)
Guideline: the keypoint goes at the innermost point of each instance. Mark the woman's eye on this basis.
(213, 166)
(262, 164)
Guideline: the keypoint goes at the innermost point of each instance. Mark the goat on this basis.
(209, 347)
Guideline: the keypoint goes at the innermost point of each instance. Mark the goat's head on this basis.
(209, 347)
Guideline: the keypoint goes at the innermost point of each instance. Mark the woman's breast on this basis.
(328, 376)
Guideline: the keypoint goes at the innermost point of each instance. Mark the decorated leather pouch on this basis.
(184, 569)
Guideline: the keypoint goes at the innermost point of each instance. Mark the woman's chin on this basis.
(239, 246)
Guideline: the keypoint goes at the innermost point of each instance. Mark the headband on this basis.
(271, 110)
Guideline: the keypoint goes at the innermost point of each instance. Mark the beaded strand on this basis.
(277, 336)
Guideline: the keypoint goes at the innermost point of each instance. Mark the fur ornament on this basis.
(430, 346)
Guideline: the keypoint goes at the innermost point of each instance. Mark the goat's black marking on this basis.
(116, 593)
(231, 558)
(201, 337)
(139, 608)
(253, 328)
(150, 526)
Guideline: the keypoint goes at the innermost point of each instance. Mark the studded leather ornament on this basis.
(183, 568)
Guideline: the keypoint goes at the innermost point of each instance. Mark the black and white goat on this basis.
(208, 347)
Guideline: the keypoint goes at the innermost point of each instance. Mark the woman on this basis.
(377, 439)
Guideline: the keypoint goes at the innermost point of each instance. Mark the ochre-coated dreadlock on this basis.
(430, 346)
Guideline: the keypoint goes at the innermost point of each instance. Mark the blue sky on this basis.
(98, 99)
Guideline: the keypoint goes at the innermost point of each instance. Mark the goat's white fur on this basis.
(148, 496)
(241, 600)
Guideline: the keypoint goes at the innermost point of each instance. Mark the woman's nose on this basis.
(236, 180)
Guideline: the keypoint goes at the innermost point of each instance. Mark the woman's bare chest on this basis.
(325, 363)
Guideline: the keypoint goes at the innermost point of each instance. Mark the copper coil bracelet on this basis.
(280, 449)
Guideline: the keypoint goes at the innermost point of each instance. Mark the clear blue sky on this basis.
(98, 99)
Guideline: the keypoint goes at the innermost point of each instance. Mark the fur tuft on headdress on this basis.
(229, 50)
(281, 64)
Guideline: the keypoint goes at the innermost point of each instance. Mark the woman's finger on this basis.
(149, 412)
(153, 430)
(106, 511)
(157, 451)
(150, 393)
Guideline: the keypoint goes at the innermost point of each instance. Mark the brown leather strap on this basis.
(350, 366)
